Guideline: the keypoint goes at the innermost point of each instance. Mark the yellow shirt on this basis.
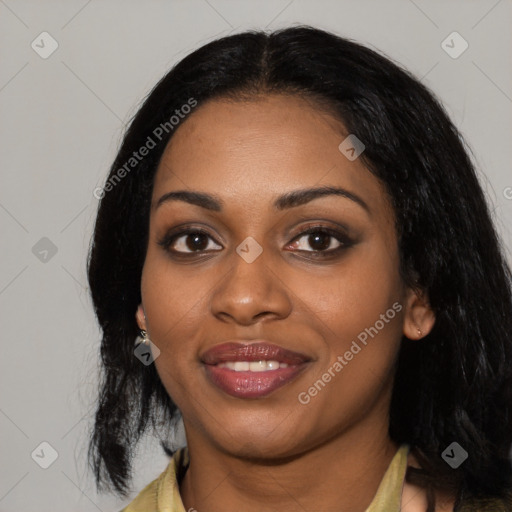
(163, 493)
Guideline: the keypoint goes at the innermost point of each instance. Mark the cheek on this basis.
(170, 297)
(361, 324)
(356, 298)
(171, 304)
(359, 314)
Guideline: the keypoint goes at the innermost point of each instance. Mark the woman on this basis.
(294, 229)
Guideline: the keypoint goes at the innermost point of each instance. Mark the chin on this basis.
(273, 440)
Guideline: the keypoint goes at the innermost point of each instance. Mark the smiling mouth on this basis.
(252, 366)
(252, 370)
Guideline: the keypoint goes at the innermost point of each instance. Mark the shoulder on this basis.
(414, 499)
(147, 499)
(162, 494)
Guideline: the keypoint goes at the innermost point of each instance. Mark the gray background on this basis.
(61, 122)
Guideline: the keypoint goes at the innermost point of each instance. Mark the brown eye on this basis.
(320, 240)
(188, 241)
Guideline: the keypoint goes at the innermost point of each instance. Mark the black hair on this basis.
(454, 385)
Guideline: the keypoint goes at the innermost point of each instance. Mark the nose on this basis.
(250, 293)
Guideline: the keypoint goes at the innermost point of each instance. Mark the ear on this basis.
(141, 318)
(418, 316)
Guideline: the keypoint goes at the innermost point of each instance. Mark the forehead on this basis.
(258, 149)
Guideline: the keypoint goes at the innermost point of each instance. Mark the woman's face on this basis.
(329, 305)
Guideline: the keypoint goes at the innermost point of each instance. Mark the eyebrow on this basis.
(289, 200)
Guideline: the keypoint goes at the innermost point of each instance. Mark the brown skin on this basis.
(274, 453)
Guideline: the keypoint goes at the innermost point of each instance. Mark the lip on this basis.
(246, 384)
(254, 350)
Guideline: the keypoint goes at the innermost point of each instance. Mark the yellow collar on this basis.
(163, 494)
(389, 493)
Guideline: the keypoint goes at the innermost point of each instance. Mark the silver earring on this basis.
(143, 337)
(419, 331)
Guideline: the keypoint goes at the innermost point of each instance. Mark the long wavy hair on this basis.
(454, 385)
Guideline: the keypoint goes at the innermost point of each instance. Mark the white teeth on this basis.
(257, 366)
(253, 366)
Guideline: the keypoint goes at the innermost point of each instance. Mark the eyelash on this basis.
(168, 239)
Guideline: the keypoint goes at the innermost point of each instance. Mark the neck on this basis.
(341, 474)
